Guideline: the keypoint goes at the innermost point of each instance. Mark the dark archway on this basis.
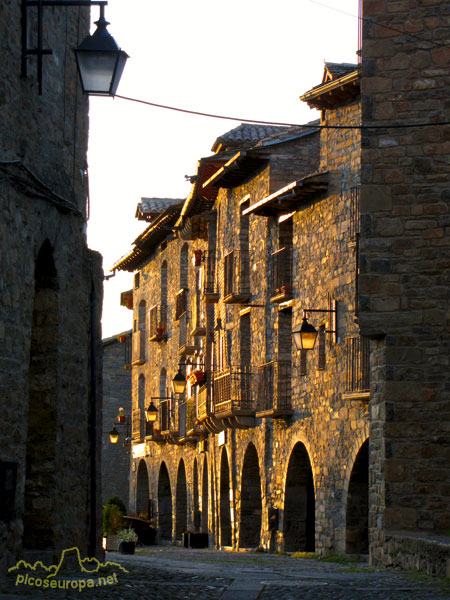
(299, 503)
(164, 504)
(251, 502)
(181, 502)
(205, 496)
(142, 489)
(225, 513)
(41, 472)
(197, 515)
(357, 526)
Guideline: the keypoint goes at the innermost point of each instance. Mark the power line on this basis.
(275, 123)
(372, 21)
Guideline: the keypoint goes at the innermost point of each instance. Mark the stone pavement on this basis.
(169, 572)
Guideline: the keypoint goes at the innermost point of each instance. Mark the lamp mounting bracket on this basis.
(40, 51)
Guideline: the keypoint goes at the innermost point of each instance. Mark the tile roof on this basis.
(149, 208)
(243, 135)
(336, 70)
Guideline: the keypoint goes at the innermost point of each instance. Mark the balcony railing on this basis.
(187, 342)
(181, 304)
(234, 391)
(182, 417)
(138, 425)
(203, 402)
(236, 277)
(282, 275)
(138, 347)
(198, 327)
(274, 389)
(358, 367)
(210, 290)
(158, 325)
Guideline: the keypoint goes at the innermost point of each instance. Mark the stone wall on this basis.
(51, 292)
(116, 395)
(404, 291)
(300, 465)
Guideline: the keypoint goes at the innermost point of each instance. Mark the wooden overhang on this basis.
(334, 93)
(147, 241)
(239, 169)
(287, 199)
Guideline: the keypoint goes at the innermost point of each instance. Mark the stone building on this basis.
(261, 430)
(50, 306)
(269, 446)
(116, 396)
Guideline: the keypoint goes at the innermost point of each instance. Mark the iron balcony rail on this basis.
(157, 322)
(181, 303)
(138, 347)
(358, 365)
(182, 418)
(236, 276)
(233, 390)
(138, 425)
(274, 386)
(203, 408)
(209, 276)
(282, 272)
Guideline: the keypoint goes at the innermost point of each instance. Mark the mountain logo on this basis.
(72, 571)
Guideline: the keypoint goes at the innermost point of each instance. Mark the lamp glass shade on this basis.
(179, 383)
(305, 336)
(151, 413)
(100, 62)
(114, 435)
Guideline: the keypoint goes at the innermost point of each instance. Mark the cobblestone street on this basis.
(167, 572)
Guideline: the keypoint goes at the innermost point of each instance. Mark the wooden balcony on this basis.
(198, 318)
(168, 420)
(233, 398)
(187, 343)
(357, 368)
(274, 390)
(236, 278)
(138, 347)
(181, 303)
(281, 275)
(205, 415)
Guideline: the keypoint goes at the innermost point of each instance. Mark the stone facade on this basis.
(116, 395)
(405, 265)
(272, 435)
(50, 308)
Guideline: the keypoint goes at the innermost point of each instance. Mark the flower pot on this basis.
(127, 547)
(121, 418)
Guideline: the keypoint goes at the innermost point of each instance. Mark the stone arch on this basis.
(251, 501)
(299, 502)
(195, 494)
(357, 505)
(205, 495)
(164, 504)
(41, 472)
(181, 502)
(142, 488)
(184, 266)
(225, 512)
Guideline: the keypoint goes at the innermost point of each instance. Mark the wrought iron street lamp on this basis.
(114, 435)
(179, 382)
(305, 336)
(151, 413)
(99, 59)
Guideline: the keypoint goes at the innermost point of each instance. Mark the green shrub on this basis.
(112, 519)
(118, 502)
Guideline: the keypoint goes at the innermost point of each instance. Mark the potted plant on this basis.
(126, 542)
(112, 514)
(121, 415)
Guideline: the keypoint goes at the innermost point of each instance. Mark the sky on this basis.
(249, 59)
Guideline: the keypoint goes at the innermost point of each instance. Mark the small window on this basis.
(137, 280)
